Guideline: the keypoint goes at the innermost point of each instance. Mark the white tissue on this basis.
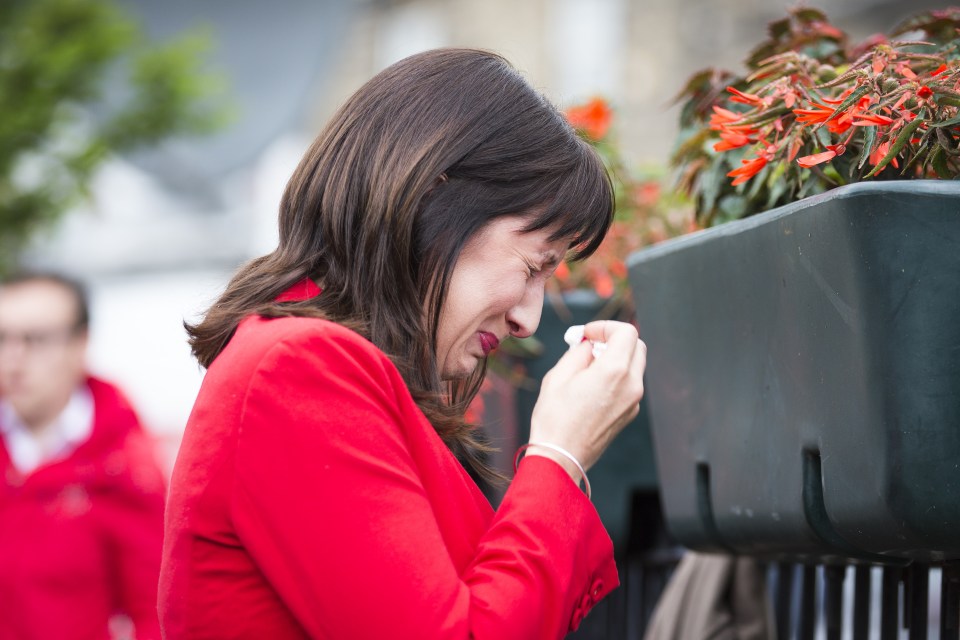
(574, 336)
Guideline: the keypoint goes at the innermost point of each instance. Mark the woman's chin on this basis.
(462, 369)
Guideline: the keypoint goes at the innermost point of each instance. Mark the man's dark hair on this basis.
(74, 287)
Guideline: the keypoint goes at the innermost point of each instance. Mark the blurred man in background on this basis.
(81, 495)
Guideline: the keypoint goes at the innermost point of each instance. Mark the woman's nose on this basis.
(524, 317)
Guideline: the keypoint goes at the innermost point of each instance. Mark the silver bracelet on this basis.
(561, 451)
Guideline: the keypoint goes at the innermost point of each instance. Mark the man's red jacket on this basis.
(311, 498)
(80, 537)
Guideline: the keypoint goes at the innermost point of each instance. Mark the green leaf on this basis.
(808, 183)
(947, 143)
(711, 183)
(842, 78)
(896, 44)
(776, 189)
(918, 153)
(869, 139)
(767, 70)
(695, 84)
(830, 170)
(897, 146)
(823, 137)
(733, 207)
(938, 160)
(757, 183)
(810, 15)
(764, 117)
(692, 147)
(779, 28)
(947, 123)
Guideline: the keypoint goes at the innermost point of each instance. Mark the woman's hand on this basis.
(585, 401)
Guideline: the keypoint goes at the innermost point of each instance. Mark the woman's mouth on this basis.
(488, 342)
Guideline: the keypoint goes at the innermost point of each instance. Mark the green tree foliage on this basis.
(56, 124)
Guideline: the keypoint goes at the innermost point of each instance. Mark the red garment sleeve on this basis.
(329, 503)
(134, 526)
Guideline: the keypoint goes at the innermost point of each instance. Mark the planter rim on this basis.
(950, 188)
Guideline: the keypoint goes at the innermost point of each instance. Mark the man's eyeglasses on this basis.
(39, 340)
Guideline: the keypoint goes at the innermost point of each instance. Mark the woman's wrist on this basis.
(567, 461)
(560, 459)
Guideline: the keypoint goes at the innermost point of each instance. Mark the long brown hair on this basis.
(415, 163)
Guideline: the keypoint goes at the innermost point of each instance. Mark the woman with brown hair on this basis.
(320, 490)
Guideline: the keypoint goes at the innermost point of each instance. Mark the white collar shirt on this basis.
(29, 450)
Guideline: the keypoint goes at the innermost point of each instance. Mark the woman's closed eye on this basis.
(546, 269)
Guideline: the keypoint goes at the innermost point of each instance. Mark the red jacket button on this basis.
(577, 619)
(596, 588)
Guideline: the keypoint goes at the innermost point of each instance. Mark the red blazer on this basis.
(80, 538)
(312, 498)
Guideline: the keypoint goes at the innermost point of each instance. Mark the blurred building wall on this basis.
(637, 53)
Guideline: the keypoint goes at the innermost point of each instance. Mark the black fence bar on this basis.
(808, 603)
(950, 604)
(889, 603)
(915, 604)
(784, 598)
(636, 622)
(861, 603)
(833, 600)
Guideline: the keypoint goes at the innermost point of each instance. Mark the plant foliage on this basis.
(813, 112)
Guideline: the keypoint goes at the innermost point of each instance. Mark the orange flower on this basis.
(843, 96)
(924, 92)
(603, 283)
(871, 119)
(731, 140)
(809, 116)
(827, 29)
(722, 117)
(879, 62)
(749, 169)
(794, 148)
(823, 114)
(833, 150)
(748, 98)
(647, 194)
(899, 103)
(904, 69)
(939, 70)
(593, 118)
(619, 269)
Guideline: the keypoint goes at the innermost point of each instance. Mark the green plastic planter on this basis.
(804, 376)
